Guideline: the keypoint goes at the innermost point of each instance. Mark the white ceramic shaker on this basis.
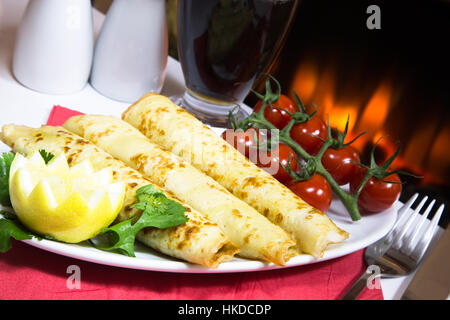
(130, 55)
(54, 46)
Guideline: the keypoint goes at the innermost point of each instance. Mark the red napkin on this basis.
(59, 115)
(30, 273)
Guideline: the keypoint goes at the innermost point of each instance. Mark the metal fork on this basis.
(403, 248)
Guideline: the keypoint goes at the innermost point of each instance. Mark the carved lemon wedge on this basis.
(70, 204)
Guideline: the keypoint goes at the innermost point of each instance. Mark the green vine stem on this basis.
(257, 120)
(349, 200)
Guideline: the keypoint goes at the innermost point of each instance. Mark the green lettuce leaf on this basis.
(5, 164)
(10, 227)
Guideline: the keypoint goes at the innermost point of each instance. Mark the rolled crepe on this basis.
(175, 129)
(256, 236)
(198, 240)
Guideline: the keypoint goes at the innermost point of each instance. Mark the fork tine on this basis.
(403, 214)
(413, 238)
(407, 204)
(428, 235)
(404, 229)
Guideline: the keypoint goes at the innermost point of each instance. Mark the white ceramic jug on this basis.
(130, 55)
(54, 46)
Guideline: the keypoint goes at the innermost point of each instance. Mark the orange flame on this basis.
(426, 151)
(324, 94)
(340, 114)
(376, 111)
(374, 115)
(305, 81)
(314, 87)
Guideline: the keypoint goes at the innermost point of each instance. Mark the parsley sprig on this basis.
(47, 156)
(157, 211)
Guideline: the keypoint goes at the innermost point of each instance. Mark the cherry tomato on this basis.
(270, 161)
(302, 133)
(376, 195)
(316, 191)
(243, 141)
(339, 163)
(277, 117)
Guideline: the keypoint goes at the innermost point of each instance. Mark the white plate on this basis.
(362, 233)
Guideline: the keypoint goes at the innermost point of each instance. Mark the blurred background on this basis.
(393, 81)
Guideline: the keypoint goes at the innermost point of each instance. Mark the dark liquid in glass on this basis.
(225, 44)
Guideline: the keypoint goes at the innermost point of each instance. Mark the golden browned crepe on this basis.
(177, 130)
(256, 236)
(199, 240)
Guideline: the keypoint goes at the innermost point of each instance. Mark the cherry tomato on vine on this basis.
(302, 133)
(315, 191)
(376, 195)
(243, 141)
(270, 161)
(279, 118)
(339, 163)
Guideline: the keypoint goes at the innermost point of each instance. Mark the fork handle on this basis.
(357, 287)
